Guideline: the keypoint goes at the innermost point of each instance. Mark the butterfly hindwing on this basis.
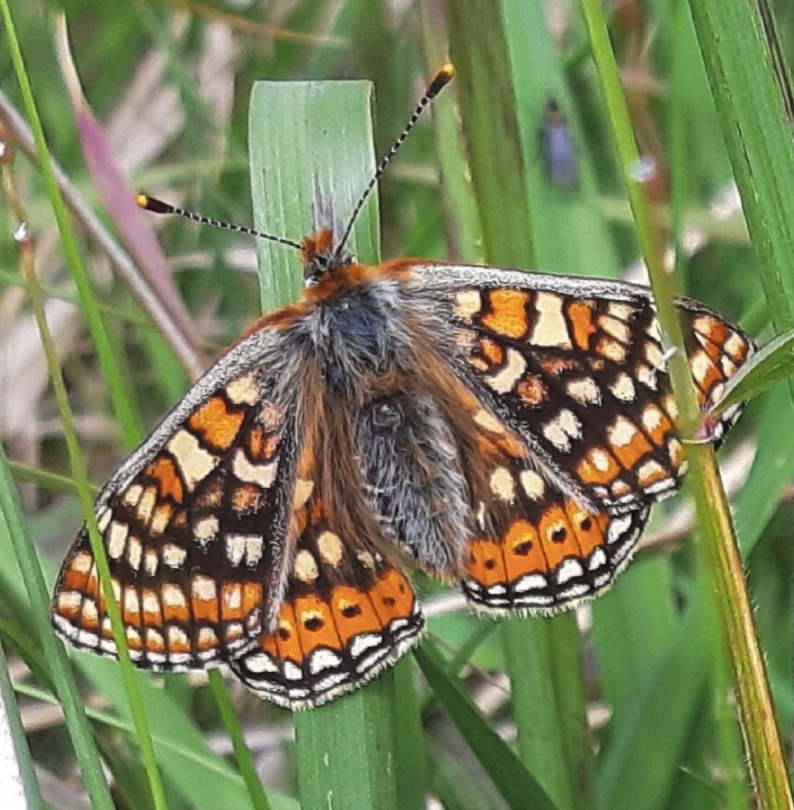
(193, 526)
(539, 550)
(347, 613)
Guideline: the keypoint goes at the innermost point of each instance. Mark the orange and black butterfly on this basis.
(505, 430)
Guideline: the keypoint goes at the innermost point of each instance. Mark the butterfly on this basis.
(504, 430)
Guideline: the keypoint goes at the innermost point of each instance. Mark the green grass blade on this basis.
(772, 363)
(654, 731)
(17, 537)
(311, 156)
(241, 752)
(484, 88)
(114, 384)
(720, 559)
(518, 786)
(18, 784)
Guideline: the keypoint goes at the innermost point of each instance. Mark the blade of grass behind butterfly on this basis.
(311, 156)
(543, 656)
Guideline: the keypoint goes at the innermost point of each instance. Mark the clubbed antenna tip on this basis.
(444, 75)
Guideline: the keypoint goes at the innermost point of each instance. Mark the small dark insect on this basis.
(559, 151)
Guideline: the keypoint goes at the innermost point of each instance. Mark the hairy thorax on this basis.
(375, 393)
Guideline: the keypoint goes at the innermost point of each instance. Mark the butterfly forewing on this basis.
(576, 367)
(193, 526)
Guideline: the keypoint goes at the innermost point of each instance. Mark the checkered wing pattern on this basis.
(539, 549)
(348, 612)
(192, 525)
(576, 367)
(573, 373)
(504, 429)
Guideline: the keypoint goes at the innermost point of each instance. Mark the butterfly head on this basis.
(320, 255)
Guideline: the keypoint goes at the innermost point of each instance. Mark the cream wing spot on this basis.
(262, 475)
(671, 406)
(735, 346)
(233, 596)
(260, 663)
(302, 493)
(90, 611)
(467, 304)
(599, 459)
(244, 390)
(655, 331)
(646, 375)
(103, 518)
(585, 391)
(622, 432)
(246, 547)
(203, 588)
(623, 388)
(502, 485)
(305, 567)
(650, 472)
(151, 561)
(615, 328)
(705, 324)
(533, 484)
(194, 462)
(612, 350)
(172, 596)
(329, 544)
(69, 602)
(235, 548)
(132, 495)
(700, 364)
(134, 553)
(651, 418)
(151, 604)
(653, 354)
(488, 422)
(131, 601)
(366, 559)
(619, 310)
(254, 545)
(82, 563)
(207, 638)
(505, 380)
(564, 427)
(147, 504)
(174, 556)
(117, 540)
(177, 636)
(550, 328)
(160, 519)
(205, 530)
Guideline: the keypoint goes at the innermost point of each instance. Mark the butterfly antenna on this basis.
(159, 207)
(443, 77)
